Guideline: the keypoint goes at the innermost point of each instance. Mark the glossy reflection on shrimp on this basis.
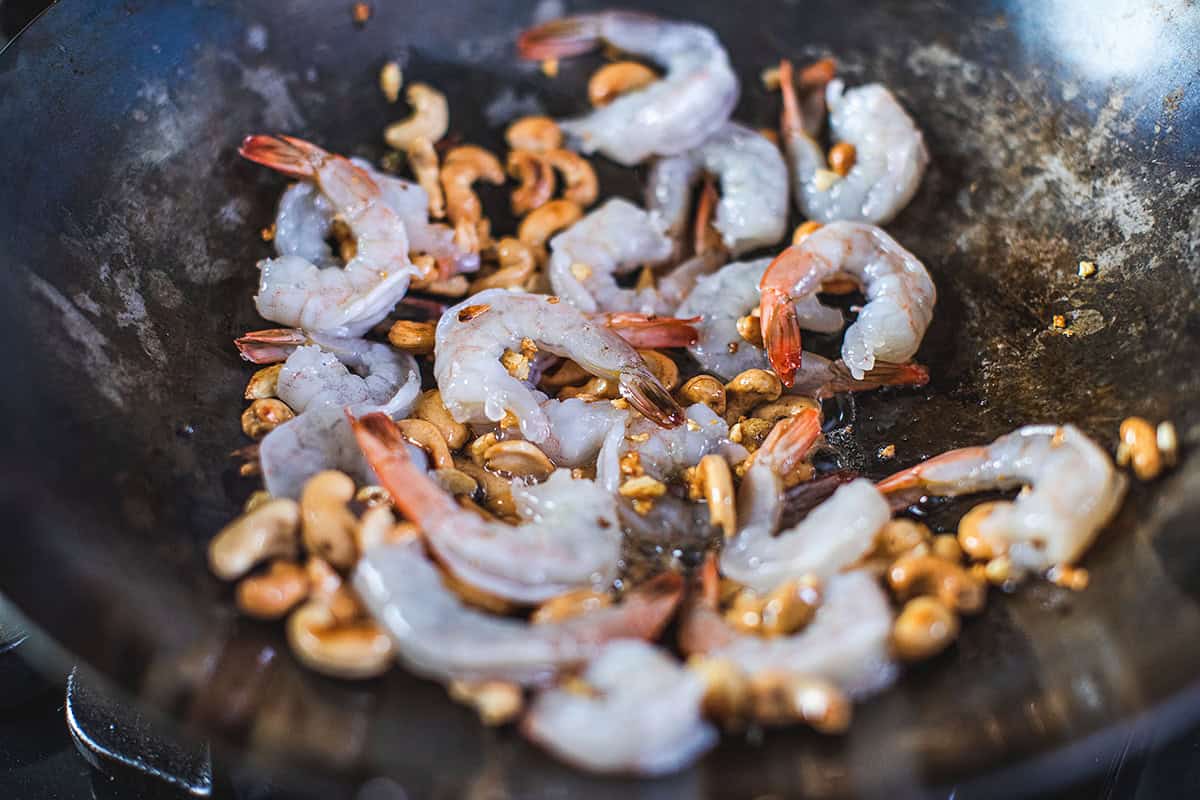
(340, 301)
(691, 101)
(476, 387)
(568, 538)
(890, 326)
(1075, 491)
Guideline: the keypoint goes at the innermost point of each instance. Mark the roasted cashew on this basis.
(570, 604)
(923, 629)
(426, 436)
(269, 531)
(537, 227)
(615, 79)
(374, 527)
(423, 161)
(537, 134)
(353, 650)
(842, 157)
(726, 689)
(273, 593)
(431, 409)
(785, 698)
(952, 585)
(516, 458)
(568, 373)
(536, 178)
(749, 389)
(497, 492)
(328, 526)
(804, 230)
(413, 337)
(786, 406)
(462, 167)
(1139, 448)
(496, 702)
(971, 540)
(454, 481)
(263, 383)
(716, 484)
(579, 178)
(703, 389)
(429, 120)
(516, 266)
(663, 367)
(265, 415)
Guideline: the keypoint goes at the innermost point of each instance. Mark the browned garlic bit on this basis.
(841, 158)
(803, 230)
(923, 629)
(613, 80)
(390, 81)
(770, 78)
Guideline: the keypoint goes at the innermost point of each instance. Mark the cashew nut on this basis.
(390, 81)
(275, 592)
(749, 328)
(923, 629)
(354, 650)
(899, 537)
(429, 120)
(750, 432)
(842, 157)
(567, 374)
(426, 436)
(473, 595)
(789, 607)
(570, 604)
(663, 368)
(538, 226)
(928, 575)
(480, 445)
(749, 389)
(431, 409)
(972, 541)
(716, 483)
(597, 388)
(786, 406)
(1139, 448)
(516, 458)
(463, 166)
(516, 266)
(945, 546)
(374, 527)
(454, 481)
(413, 337)
(496, 702)
(264, 383)
(726, 689)
(703, 389)
(265, 415)
(784, 698)
(371, 496)
(325, 586)
(423, 161)
(328, 526)
(613, 80)
(257, 498)
(536, 178)
(537, 134)
(497, 491)
(804, 230)
(268, 531)
(579, 179)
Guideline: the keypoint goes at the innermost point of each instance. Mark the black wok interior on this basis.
(128, 238)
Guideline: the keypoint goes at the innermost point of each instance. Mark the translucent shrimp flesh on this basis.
(568, 538)
(753, 206)
(1075, 491)
(689, 104)
(846, 643)
(438, 636)
(472, 336)
(890, 155)
(615, 239)
(890, 326)
(340, 301)
(644, 718)
(834, 535)
(317, 383)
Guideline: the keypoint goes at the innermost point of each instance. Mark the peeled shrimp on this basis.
(691, 101)
(568, 538)
(846, 643)
(644, 720)
(317, 383)
(900, 297)
(340, 301)
(753, 208)
(1075, 491)
(438, 636)
(833, 536)
(890, 154)
(614, 239)
(472, 336)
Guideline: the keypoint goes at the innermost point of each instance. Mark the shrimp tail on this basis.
(647, 609)
(644, 392)
(287, 154)
(413, 493)
(704, 237)
(269, 346)
(914, 477)
(560, 38)
(710, 582)
(884, 373)
(791, 440)
(650, 331)
(804, 112)
(781, 334)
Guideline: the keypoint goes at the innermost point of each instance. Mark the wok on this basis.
(1058, 133)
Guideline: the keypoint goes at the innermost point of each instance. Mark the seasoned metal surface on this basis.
(129, 233)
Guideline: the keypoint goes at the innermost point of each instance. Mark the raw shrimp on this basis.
(644, 720)
(568, 539)
(615, 239)
(890, 155)
(846, 643)
(343, 301)
(691, 101)
(729, 294)
(753, 208)
(439, 637)
(472, 336)
(835, 534)
(900, 297)
(305, 219)
(316, 383)
(578, 429)
(1075, 491)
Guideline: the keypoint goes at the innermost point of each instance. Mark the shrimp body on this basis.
(1075, 491)
(753, 207)
(317, 383)
(672, 115)
(472, 336)
(579, 428)
(900, 297)
(438, 636)
(615, 239)
(846, 643)
(343, 301)
(568, 538)
(890, 155)
(644, 719)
